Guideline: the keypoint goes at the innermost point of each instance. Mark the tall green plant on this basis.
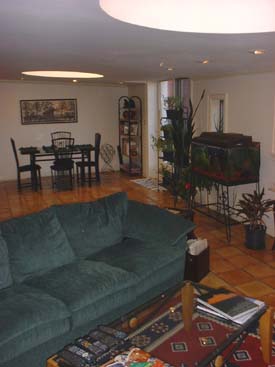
(172, 103)
(181, 134)
(177, 139)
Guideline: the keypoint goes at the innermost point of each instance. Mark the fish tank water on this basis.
(226, 158)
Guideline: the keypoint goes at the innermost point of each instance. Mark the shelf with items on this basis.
(134, 128)
(165, 157)
(130, 135)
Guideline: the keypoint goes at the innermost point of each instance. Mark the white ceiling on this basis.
(78, 35)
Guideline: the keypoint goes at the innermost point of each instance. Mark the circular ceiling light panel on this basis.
(196, 16)
(62, 74)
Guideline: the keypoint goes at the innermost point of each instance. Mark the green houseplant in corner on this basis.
(253, 207)
(175, 144)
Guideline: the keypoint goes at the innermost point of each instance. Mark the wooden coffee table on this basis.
(186, 292)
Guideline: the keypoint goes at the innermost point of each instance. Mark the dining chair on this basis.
(63, 166)
(24, 168)
(81, 165)
(61, 134)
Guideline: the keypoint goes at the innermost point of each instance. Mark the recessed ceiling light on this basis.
(62, 74)
(74, 80)
(161, 64)
(205, 61)
(257, 52)
(207, 16)
(170, 69)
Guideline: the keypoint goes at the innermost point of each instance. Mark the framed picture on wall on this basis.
(48, 111)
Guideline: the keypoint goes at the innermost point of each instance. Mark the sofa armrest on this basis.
(150, 223)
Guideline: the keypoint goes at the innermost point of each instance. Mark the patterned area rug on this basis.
(165, 338)
(149, 183)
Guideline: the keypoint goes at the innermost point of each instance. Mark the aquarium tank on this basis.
(226, 158)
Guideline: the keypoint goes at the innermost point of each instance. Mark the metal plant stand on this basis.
(221, 210)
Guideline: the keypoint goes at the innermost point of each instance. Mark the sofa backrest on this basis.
(94, 225)
(5, 275)
(150, 223)
(55, 236)
(36, 244)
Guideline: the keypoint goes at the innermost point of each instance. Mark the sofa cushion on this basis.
(36, 244)
(5, 275)
(151, 262)
(29, 317)
(150, 223)
(94, 225)
(88, 288)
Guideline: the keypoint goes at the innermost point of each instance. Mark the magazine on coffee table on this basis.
(229, 305)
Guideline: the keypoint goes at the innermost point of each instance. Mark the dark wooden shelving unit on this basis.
(130, 135)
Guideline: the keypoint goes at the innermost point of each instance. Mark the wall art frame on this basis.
(48, 111)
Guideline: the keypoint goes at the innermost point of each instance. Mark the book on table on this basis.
(229, 305)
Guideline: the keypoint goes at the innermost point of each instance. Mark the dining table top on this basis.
(49, 150)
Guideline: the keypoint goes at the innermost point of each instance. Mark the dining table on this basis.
(46, 153)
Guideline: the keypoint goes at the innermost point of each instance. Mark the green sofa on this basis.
(68, 268)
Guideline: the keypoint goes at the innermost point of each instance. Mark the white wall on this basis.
(97, 112)
(251, 100)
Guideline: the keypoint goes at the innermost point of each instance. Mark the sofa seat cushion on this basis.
(94, 225)
(5, 275)
(88, 288)
(150, 262)
(36, 244)
(29, 317)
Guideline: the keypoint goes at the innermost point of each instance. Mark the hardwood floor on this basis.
(232, 265)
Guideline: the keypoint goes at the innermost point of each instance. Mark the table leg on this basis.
(273, 209)
(266, 327)
(82, 168)
(187, 297)
(89, 167)
(34, 178)
(219, 361)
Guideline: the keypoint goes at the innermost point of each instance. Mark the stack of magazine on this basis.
(229, 305)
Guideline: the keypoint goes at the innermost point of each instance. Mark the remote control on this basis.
(116, 333)
(105, 357)
(82, 353)
(104, 338)
(101, 346)
(95, 347)
(72, 359)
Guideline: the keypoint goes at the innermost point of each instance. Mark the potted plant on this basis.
(173, 106)
(175, 144)
(253, 207)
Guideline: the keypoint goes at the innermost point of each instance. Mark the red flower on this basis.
(187, 186)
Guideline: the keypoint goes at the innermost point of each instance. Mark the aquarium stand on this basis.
(220, 209)
(226, 160)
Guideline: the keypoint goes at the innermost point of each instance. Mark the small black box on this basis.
(196, 266)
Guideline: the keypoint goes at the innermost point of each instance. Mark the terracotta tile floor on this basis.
(232, 265)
